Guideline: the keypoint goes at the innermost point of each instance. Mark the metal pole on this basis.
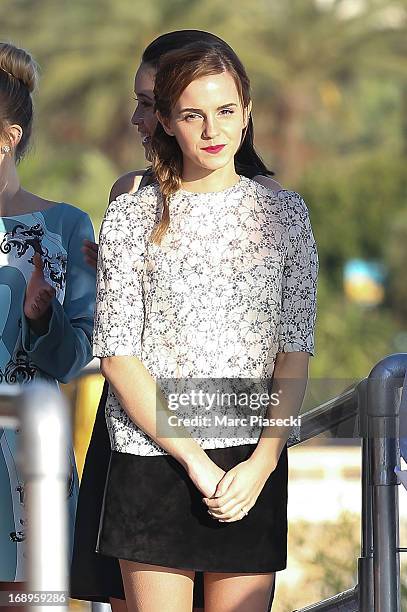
(98, 606)
(383, 412)
(43, 459)
(365, 562)
(45, 428)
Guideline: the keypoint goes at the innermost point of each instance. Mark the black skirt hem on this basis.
(195, 569)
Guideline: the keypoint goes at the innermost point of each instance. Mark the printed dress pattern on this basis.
(232, 284)
(21, 237)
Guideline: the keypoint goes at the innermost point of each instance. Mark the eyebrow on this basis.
(199, 110)
(143, 95)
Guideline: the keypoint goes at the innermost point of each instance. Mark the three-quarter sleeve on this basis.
(299, 281)
(65, 348)
(119, 312)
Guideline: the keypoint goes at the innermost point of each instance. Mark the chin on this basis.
(215, 164)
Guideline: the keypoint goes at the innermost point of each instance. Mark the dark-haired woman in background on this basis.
(95, 577)
(46, 296)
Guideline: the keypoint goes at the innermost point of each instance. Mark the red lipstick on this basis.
(213, 150)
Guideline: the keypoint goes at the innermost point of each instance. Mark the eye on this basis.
(191, 117)
(142, 103)
(227, 111)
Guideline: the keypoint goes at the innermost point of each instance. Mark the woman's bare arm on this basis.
(142, 400)
(289, 383)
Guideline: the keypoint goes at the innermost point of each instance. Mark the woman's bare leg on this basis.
(118, 605)
(154, 588)
(237, 592)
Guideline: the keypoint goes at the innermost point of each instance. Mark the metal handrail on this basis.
(41, 412)
(329, 416)
(372, 409)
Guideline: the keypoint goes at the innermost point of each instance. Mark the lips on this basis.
(145, 137)
(214, 150)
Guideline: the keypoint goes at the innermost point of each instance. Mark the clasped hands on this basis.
(237, 492)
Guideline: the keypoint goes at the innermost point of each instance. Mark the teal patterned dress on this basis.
(58, 355)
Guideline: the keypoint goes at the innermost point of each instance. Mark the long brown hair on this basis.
(247, 160)
(177, 69)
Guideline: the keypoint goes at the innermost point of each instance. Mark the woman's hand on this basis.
(90, 252)
(38, 298)
(237, 492)
(205, 476)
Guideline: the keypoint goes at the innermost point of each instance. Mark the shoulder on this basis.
(148, 194)
(267, 181)
(69, 222)
(68, 215)
(297, 221)
(134, 208)
(262, 190)
(293, 204)
(127, 183)
(288, 205)
(290, 201)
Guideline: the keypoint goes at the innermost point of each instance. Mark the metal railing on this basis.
(40, 411)
(371, 411)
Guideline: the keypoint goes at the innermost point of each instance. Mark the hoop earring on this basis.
(5, 149)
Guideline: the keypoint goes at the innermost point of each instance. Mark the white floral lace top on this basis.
(232, 284)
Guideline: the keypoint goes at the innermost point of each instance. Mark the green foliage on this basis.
(329, 89)
(83, 178)
(358, 211)
(326, 556)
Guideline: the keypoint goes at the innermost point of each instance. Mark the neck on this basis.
(201, 180)
(9, 187)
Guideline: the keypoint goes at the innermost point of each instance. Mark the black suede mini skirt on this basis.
(152, 513)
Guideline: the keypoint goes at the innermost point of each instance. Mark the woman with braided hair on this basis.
(203, 275)
(96, 577)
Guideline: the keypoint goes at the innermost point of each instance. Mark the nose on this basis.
(137, 116)
(211, 128)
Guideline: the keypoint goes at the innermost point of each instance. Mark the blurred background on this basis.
(329, 81)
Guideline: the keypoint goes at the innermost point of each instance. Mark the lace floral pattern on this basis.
(232, 284)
